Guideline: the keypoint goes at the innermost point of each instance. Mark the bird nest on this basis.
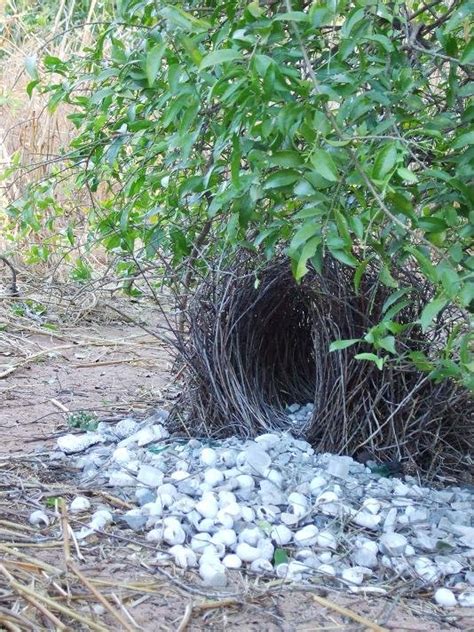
(257, 341)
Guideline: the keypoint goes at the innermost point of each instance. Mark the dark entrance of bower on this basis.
(258, 341)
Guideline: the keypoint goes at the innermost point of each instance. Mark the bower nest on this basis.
(258, 341)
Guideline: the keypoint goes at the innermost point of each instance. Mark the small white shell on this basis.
(79, 504)
(39, 518)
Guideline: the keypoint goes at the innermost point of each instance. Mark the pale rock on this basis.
(393, 544)
(298, 504)
(258, 460)
(353, 575)
(366, 519)
(372, 505)
(390, 520)
(134, 519)
(155, 536)
(270, 494)
(445, 598)
(183, 505)
(268, 440)
(266, 548)
(250, 535)
(281, 571)
(426, 570)
(213, 575)
(466, 599)
(275, 477)
(150, 476)
(232, 561)
(365, 554)
(226, 498)
(246, 552)
(225, 519)
(179, 475)
(245, 482)
(228, 458)
(208, 457)
(183, 556)
(281, 535)
(327, 569)
(173, 532)
(213, 477)
(79, 504)
(289, 519)
(125, 427)
(447, 565)
(227, 537)
(38, 518)
(307, 536)
(339, 466)
(199, 542)
(261, 566)
(207, 525)
(122, 456)
(71, 443)
(325, 557)
(208, 506)
(326, 540)
(247, 513)
(316, 484)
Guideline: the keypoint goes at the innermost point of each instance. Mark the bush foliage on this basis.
(341, 127)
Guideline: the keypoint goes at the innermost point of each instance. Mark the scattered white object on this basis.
(445, 597)
(79, 504)
(466, 599)
(208, 506)
(213, 477)
(281, 535)
(71, 443)
(326, 540)
(39, 518)
(246, 552)
(213, 575)
(393, 544)
(307, 536)
(232, 561)
(365, 554)
(353, 575)
(184, 557)
(208, 457)
(150, 476)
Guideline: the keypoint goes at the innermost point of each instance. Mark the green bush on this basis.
(340, 127)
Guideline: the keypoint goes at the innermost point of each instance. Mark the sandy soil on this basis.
(108, 366)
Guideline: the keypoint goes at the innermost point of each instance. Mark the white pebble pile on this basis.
(274, 507)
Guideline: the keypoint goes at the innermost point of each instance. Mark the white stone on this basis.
(179, 475)
(121, 479)
(225, 519)
(213, 476)
(307, 536)
(353, 575)
(100, 519)
(71, 443)
(250, 535)
(183, 556)
(372, 505)
(213, 575)
(393, 544)
(248, 514)
(445, 598)
(281, 534)
(261, 566)
(466, 599)
(155, 536)
(226, 498)
(316, 484)
(173, 532)
(275, 477)
(232, 561)
(258, 460)
(266, 548)
(326, 540)
(298, 504)
(245, 482)
(390, 520)
(80, 504)
(327, 569)
(227, 537)
(200, 541)
(38, 518)
(365, 554)
(268, 440)
(121, 456)
(366, 519)
(150, 476)
(207, 525)
(183, 505)
(246, 552)
(125, 427)
(338, 466)
(282, 571)
(426, 570)
(208, 506)
(208, 457)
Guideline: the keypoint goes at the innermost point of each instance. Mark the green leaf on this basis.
(385, 161)
(218, 57)
(430, 311)
(407, 175)
(282, 178)
(308, 251)
(303, 234)
(184, 20)
(153, 62)
(280, 556)
(324, 165)
(464, 139)
(387, 343)
(338, 345)
(344, 257)
(371, 357)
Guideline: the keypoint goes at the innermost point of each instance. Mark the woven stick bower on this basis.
(258, 341)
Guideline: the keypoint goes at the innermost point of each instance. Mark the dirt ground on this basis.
(107, 365)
